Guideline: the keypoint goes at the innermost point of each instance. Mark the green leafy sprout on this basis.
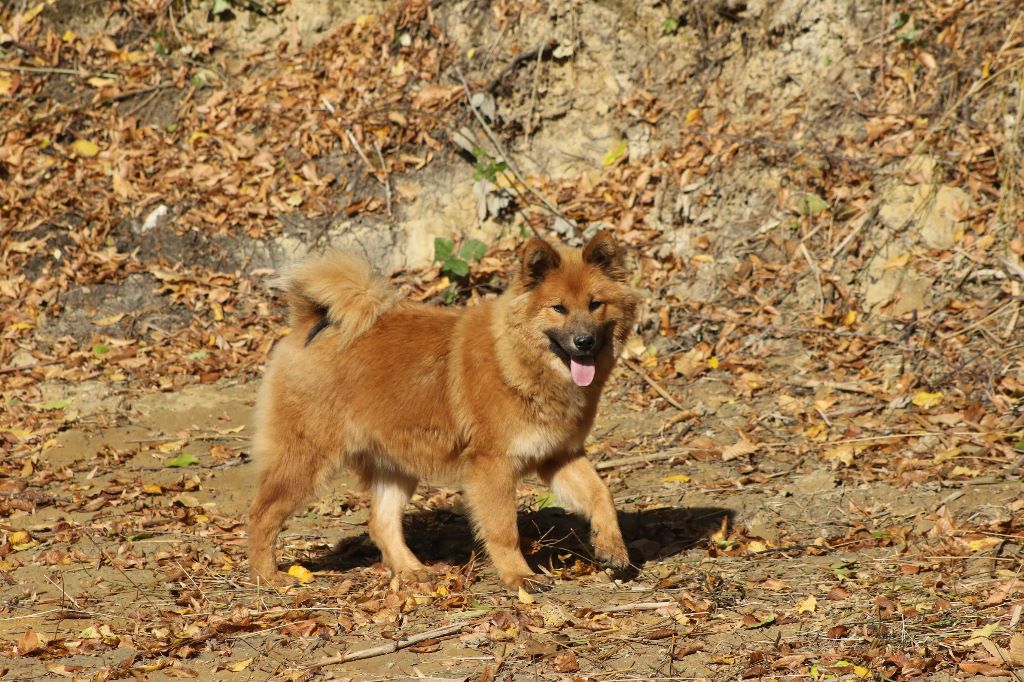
(486, 168)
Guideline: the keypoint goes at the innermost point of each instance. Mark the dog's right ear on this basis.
(537, 258)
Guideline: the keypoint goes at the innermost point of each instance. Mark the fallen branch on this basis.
(639, 459)
(642, 606)
(391, 647)
(655, 385)
(539, 52)
(26, 368)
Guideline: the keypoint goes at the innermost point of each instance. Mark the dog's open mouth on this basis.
(581, 367)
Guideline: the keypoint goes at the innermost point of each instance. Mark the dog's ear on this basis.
(537, 258)
(603, 253)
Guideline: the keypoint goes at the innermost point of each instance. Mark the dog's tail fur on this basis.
(338, 289)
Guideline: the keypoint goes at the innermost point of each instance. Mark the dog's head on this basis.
(576, 303)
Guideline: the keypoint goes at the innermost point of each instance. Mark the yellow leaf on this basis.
(713, 362)
(173, 446)
(676, 478)
(850, 318)
(470, 53)
(525, 597)
(926, 399)
(27, 541)
(152, 489)
(85, 148)
(807, 605)
(693, 116)
(239, 666)
(861, 671)
(897, 261)
(6, 85)
(615, 153)
(703, 258)
(294, 200)
(68, 36)
(364, 19)
(964, 471)
(218, 311)
(33, 13)
(983, 633)
(301, 573)
(756, 547)
(98, 82)
(981, 544)
(20, 537)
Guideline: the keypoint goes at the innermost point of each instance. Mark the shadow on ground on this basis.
(550, 537)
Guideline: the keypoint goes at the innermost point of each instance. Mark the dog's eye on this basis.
(594, 305)
(560, 309)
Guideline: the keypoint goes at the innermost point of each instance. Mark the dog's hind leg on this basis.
(282, 488)
(390, 493)
(575, 482)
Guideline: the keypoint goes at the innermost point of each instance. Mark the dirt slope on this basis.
(815, 442)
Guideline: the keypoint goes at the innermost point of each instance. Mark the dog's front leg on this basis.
(491, 494)
(576, 484)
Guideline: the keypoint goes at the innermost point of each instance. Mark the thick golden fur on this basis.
(400, 391)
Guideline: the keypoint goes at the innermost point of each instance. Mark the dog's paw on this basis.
(613, 556)
(531, 584)
(272, 579)
(414, 575)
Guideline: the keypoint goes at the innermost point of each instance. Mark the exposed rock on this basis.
(935, 211)
(891, 281)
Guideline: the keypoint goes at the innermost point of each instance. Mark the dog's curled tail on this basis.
(338, 289)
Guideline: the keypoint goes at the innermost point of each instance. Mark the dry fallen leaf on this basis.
(807, 605)
(1017, 649)
(30, 642)
(740, 448)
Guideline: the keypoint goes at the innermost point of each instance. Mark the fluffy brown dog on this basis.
(400, 391)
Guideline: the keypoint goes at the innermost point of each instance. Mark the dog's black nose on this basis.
(584, 342)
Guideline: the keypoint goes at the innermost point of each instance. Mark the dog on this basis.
(401, 391)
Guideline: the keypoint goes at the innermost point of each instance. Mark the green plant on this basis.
(486, 168)
(457, 265)
(669, 26)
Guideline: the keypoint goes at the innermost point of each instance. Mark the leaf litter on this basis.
(840, 498)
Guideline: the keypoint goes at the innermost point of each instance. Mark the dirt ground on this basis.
(815, 439)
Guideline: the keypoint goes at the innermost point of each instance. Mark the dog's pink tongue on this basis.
(582, 371)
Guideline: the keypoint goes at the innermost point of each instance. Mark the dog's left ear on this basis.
(603, 253)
